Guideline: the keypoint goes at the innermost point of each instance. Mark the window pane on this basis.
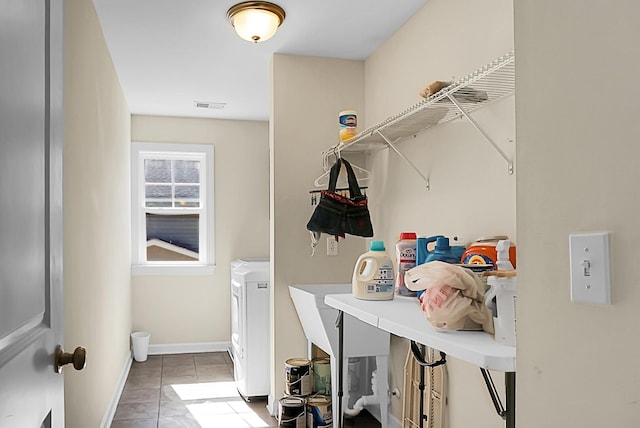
(156, 195)
(186, 171)
(157, 171)
(171, 206)
(187, 196)
(173, 237)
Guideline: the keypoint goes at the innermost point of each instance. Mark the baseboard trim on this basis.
(188, 348)
(394, 422)
(272, 406)
(111, 410)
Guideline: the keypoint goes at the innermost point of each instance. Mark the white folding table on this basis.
(403, 317)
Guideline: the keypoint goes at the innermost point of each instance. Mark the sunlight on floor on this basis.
(208, 416)
(200, 391)
(232, 413)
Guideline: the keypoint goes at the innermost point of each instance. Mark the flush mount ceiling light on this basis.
(256, 21)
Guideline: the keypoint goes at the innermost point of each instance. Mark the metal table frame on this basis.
(506, 412)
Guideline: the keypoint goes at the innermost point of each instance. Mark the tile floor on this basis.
(194, 391)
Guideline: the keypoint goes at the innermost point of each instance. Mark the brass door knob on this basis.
(78, 358)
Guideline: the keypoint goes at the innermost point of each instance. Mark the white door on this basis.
(31, 119)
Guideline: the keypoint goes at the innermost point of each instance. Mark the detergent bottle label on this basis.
(383, 281)
(406, 252)
(373, 277)
(477, 259)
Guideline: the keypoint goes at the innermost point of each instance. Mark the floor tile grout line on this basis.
(193, 364)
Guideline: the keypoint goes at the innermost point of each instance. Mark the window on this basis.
(172, 208)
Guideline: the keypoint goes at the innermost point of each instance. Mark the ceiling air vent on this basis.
(207, 104)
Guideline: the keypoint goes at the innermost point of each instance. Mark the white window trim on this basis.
(138, 228)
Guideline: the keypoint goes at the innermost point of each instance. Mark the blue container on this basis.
(422, 252)
(442, 252)
(458, 251)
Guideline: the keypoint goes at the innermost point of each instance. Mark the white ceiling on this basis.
(170, 53)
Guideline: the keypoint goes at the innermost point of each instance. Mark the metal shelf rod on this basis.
(407, 161)
(481, 131)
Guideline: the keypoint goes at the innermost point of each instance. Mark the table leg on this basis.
(510, 398)
(507, 412)
(340, 325)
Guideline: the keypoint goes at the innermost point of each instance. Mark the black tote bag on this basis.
(338, 215)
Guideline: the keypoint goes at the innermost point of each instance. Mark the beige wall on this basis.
(578, 172)
(97, 295)
(575, 368)
(455, 157)
(472, 195)
(308, 94)
(196, 309)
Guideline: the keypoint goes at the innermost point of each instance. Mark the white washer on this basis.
(250, 326)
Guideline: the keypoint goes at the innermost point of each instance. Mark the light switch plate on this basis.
(590, 268)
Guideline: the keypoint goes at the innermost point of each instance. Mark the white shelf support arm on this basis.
(481, 131)
(407, 161)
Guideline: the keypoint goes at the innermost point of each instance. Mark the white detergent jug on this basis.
(373, 277)
(504, 320)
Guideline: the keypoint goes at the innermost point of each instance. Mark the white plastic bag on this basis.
(453, 297)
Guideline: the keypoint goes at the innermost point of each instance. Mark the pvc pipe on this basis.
(365, 400)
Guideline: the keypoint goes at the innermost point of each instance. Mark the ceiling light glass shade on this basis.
(256, 21)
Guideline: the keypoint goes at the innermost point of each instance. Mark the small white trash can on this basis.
(140, 341)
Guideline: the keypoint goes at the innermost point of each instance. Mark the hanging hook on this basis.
(336, 152)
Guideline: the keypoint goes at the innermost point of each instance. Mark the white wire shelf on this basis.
(479, 89)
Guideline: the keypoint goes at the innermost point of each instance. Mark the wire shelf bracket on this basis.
(404, 158)
(483, 133)
(493, 82)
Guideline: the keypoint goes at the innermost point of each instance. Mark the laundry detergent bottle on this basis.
(422, 247)
(373, 277)
(443, 252)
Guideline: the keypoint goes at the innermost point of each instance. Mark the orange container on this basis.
(483, 252)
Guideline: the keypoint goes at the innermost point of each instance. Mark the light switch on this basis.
(590, 268)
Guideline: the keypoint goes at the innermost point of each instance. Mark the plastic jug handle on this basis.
(366, 269)
(429, 240)
(490, 294)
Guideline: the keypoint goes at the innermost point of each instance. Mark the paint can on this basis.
(292, 412)
(298, 381)
(322, 376)
(319, 413)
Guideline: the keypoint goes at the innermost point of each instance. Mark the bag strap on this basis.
(333, 175)
(354, 188)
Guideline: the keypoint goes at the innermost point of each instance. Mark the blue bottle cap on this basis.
(377, 246)
(442, 244)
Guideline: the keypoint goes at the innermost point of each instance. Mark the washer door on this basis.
(238, 319)
(238, 334)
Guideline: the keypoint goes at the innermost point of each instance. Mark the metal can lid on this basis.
(297, 362)
(291, 400)
(319, 399)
